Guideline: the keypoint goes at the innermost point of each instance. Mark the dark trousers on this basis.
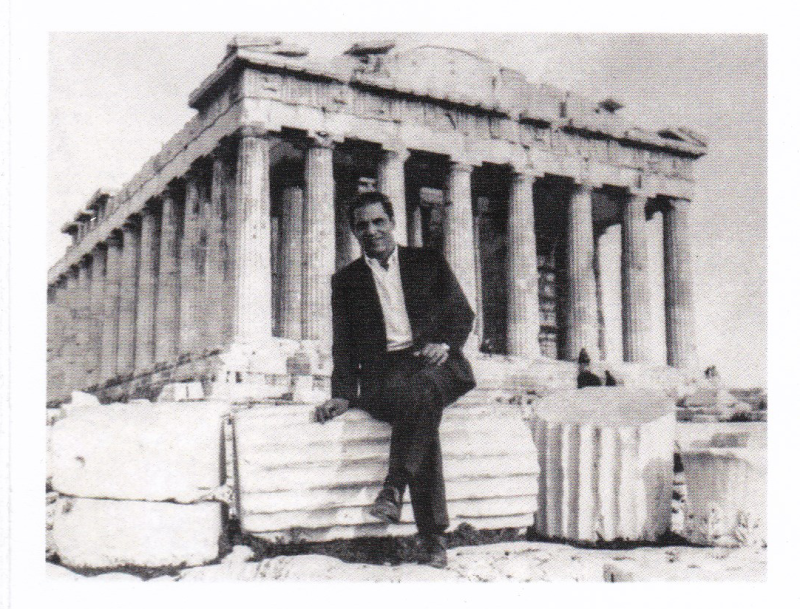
(399, 389)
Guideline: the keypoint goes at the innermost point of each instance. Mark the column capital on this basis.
(114, 239)
(642, 193)
(322, 139)
(678, 201)
(255, 130)
(400, 153)
(525, 173)
(584, 186)
(461, 165)
(642, 185)
(132, 223)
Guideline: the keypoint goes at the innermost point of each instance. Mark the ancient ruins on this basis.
(213, 263)
(205, 281)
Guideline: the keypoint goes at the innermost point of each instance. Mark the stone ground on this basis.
(516, 561)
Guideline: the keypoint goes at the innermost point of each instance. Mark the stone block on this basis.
(152, 452)
(181, 392)
(726, 483)
(302, 480)
(103, 534)
(80, 398)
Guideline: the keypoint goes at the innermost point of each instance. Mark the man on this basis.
(400, 320)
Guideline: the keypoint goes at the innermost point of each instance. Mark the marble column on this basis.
(69, 331)
(82, 304)
(655, 262)
(602, 334)
(111, 295)
(275, 265)
(215, 258)
(458, 233)
(168, 289)
(191, 278)
(291, 261)
(252, 315)
(319, 243)
(129, 276)
(55, 388)
(523, 272)
(479, 210)
(678, 292)
(392, 183)
(56, 368)
(415, 227)
(97, 312)
(146, 291)
(636, 337)
(581, 318)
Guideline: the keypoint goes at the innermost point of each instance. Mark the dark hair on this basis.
(368, 198)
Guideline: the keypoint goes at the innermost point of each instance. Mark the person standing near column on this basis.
(400, 320)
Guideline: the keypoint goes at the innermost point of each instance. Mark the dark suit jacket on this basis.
(437, 310)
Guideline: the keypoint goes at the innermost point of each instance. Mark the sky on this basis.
(116, 98)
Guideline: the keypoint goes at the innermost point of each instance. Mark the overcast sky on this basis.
(114, 99)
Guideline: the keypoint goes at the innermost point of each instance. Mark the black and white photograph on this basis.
(402, 307)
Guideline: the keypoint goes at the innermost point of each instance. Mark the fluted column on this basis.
(347, 247)
(57, 344)
(678, 292)
(252, 315)
(70, 351)
(146, 291)
(129, 275)
(291, 260)
(392, 183)
(83, 322)
(191, 259)
(275, 265)
(415, 227)
(635, 288)
(319, 244)
(581, 315)
(523, 272)
(458, 236)
(97, 312)
(480, 208)
(602, 334)
(55, 323)
(215, 258)
(168, 290)
(111, 294)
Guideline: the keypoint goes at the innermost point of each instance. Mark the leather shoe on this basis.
(434, 548)
(388, 505)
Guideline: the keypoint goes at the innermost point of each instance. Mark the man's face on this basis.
(374, 230)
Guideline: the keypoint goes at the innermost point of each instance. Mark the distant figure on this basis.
(610, 380)
(586, 378)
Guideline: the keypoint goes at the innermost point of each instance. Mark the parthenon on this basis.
(213, 263)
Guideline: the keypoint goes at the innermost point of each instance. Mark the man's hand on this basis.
(435, 354)
(330, 410)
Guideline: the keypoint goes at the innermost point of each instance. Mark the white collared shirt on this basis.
(393, 303)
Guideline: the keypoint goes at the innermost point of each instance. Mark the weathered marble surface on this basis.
(303, 480)
(605, 464)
